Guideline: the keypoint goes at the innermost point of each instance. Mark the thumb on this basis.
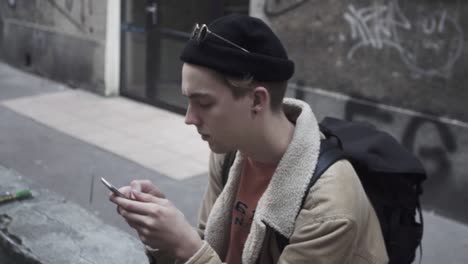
(135, 185)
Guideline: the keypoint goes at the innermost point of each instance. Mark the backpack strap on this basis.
(421, 221)
(330, 153)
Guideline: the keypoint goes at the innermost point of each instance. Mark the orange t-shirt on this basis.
(254, 180)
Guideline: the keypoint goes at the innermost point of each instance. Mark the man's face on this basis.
(220, 119)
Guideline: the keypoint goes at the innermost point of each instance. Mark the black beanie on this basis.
(266, 61)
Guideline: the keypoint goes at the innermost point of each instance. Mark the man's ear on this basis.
(261, 99)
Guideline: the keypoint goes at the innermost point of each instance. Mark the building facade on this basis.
(399, 65)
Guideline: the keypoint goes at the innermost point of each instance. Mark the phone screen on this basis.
(113, 188)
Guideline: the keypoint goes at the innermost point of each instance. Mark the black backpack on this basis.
(391, 177)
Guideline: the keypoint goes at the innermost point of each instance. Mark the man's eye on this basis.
(205, 105)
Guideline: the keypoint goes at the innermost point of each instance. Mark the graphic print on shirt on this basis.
(242, 215)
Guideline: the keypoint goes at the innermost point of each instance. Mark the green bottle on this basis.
(8, 196)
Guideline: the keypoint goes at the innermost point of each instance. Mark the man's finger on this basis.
(139, 221)
(145, 197)
(138, 207)
(126, 190)
(136, 185)
(119, 210)
(146, 186)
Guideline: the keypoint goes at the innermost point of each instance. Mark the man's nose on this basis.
(191, 118)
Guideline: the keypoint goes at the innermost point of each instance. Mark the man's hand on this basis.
(158, 222)
(146, 186)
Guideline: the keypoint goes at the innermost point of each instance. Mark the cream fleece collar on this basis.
(280, 204)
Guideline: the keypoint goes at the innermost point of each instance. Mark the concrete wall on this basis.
(401, 66)
(62, 40)
(412, 54)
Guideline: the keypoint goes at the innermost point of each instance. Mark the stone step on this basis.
(48, 229)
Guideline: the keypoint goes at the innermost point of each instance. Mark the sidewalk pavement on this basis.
(65, 140)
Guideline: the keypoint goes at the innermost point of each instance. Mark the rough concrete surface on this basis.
(50, 229)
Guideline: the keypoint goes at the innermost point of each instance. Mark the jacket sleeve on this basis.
(322, 242)
(206, 254)
(212, 192)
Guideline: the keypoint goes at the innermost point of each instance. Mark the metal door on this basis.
(154, 33)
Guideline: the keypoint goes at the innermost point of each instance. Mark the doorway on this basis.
(154, 33)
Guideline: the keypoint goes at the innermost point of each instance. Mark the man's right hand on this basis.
(159, 224)
(146, 186)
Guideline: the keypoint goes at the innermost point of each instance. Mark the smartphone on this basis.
(113, 189)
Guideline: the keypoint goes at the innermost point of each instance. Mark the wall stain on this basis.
(68, 16)
(69, 5)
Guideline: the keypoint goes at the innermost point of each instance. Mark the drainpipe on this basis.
(112, 56)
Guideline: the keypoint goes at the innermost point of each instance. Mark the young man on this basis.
(235, 76)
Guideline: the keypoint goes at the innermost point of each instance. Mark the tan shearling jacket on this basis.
(336, 225)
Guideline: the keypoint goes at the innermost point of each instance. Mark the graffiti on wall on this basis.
(437, 155)
(438, 144)
(432, 141)
(429, 42)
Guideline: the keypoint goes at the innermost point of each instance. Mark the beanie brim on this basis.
(238, 63)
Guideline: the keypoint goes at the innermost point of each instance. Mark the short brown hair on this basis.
(240, 86)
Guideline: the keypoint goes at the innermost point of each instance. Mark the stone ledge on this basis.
(47, 229)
